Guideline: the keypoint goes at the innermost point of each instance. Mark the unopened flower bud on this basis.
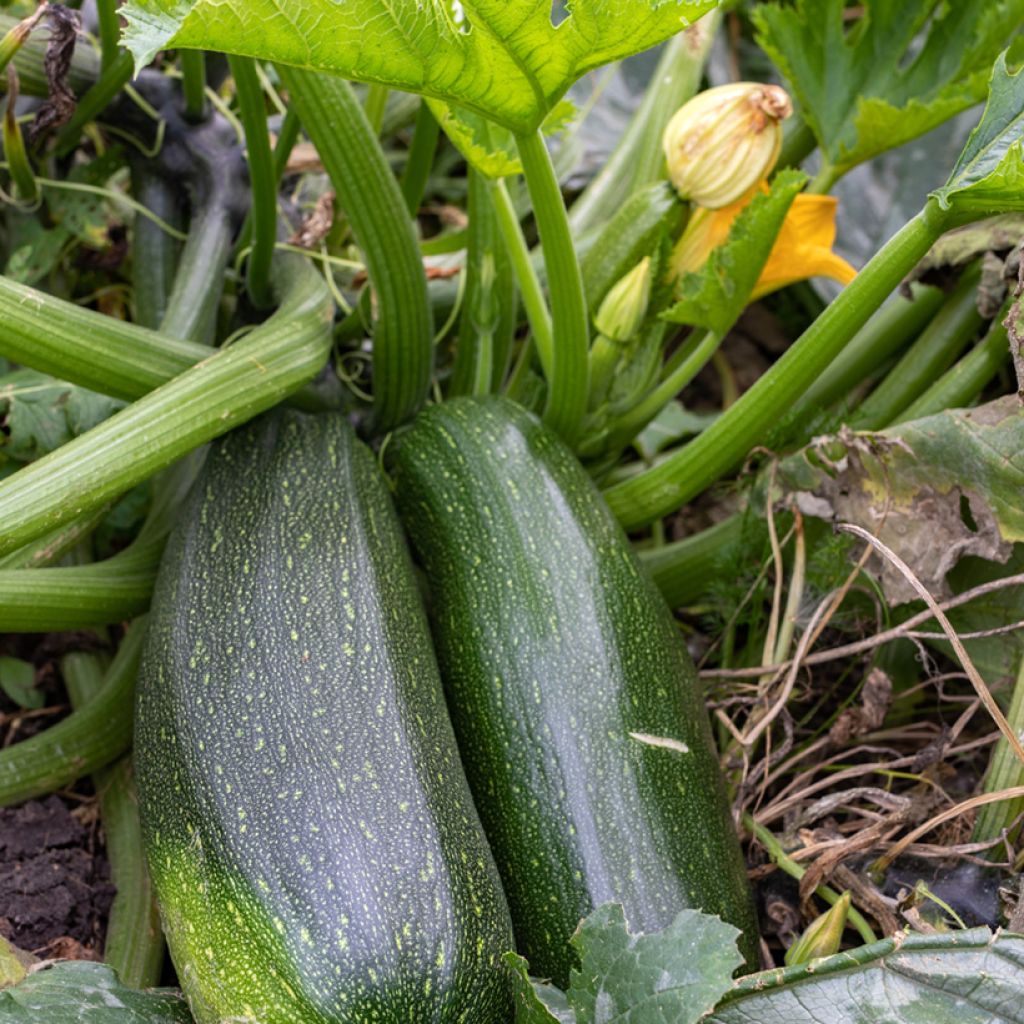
(724, 141)
(823, 934)
(625, 306)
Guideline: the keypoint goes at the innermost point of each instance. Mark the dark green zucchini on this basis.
(575, 703)
(314, 846)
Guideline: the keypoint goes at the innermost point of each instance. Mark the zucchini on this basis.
(314, 848)
(576, 706)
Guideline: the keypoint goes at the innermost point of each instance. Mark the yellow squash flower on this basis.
(803, 248)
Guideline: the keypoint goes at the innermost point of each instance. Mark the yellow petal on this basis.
(803, 248)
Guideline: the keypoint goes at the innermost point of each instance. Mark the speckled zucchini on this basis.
(576, 706)
(314, 847)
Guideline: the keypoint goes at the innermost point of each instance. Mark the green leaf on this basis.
(934, 490)
(672, 424)
(990, 172)
(505, 59)
(79, 992)
(899, 71)
(536, 1002)
(677, 974)
(714, 296)
(488, 147)
(965, 977)
(18, 681)
(39, 413)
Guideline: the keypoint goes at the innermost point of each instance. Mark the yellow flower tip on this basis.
(802, 249)
(724, 141)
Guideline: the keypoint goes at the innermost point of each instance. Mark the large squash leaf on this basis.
(506, 59)
(79, 992)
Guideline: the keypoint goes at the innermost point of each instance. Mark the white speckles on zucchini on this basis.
(271, 789)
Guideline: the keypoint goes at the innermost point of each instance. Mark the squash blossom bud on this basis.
(724, 141)
(625, 306)
(823, 934)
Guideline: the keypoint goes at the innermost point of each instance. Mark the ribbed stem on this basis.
(567, 376)
(938, 346)
(47, 549)
(376, 104)
(205, 401)
(193, 84)
(110, 30)
(87, 740)
(155, 254)
(262, 179)
(403, 352)
(725, 444)
(962, 383)
(420, 159)
(112, 80)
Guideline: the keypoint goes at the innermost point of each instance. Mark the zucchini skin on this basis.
(313, 843)
(555, 647)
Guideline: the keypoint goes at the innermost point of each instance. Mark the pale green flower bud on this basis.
(823, 934)
(625, 306)
(724, 141)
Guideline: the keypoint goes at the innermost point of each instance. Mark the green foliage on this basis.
(715, 295)
(79, 992)
(989, 176)
(899, 71)
(39, 414)
(18, 681)
(677, 974)
(503, 58)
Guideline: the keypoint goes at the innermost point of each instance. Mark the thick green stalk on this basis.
(934, 351)
(1004, 771)
(47, 549)
(961, 384)
(30, 58)
(724, 445)
(54, 600)
(87, 740)
(682, 570)
(134, 944)
(421, 156)
(205, 401)
(376, 104)
(530, 288)
(488, 321)
(403, 352)
(110, 31)
(193, 84)
(890, 329)
(263, 180)
(154, 253)
(567, 380)
(638, 157)
(112, 80)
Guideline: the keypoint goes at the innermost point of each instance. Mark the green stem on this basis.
(26, 188)
(725, 444)
(403, 339)
(602, 361)
(683, 569)
(567, 379)
(960, 385)
(87, 740)
(420, 159)
(890, 329)
(59, 599)
(794, 870)
(376, 104)
(1004, 771)
(30, 59)
(134, 944)
(112, 80)
(110, 31)
(47, 549)
(205, 401)
(938, 346)
(627, 426)
(155, 254)
(488, 323)
(262, 179)
(637, 160)
(193, 84)
(798, 142)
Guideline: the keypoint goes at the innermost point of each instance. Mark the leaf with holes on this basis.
(506, 59)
